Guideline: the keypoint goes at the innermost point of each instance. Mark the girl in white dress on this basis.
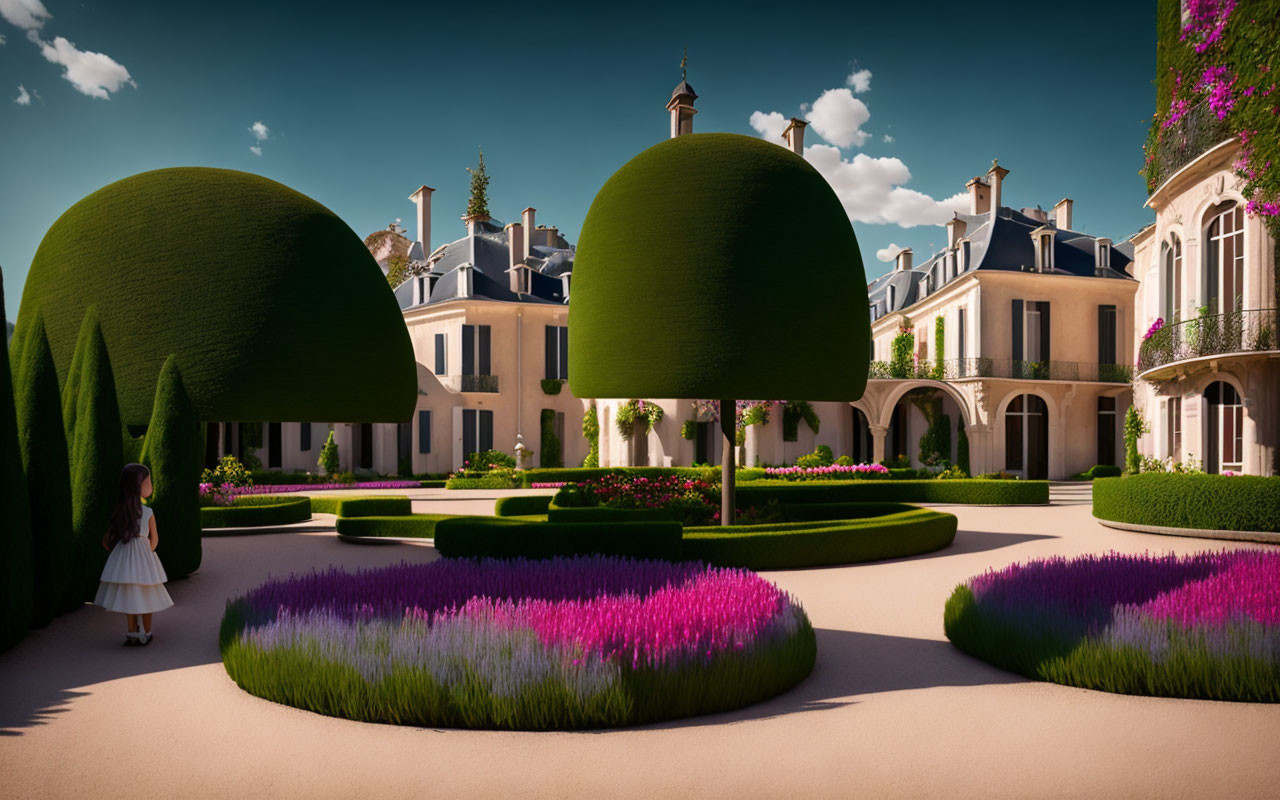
(133, 579)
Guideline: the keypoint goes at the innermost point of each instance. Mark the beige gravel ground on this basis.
(892, 709)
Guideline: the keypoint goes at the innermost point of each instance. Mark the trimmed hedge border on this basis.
(816, 543)
(960, 492)
(498, 537)
(606, 514)
(414, 526)
(258, 511)
(1224, 503)
(366, 506)
(521, 506)
(578, 474)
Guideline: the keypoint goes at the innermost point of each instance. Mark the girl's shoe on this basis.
(144, 638)
(131, 639)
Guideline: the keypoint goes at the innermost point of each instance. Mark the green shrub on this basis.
(607, 514)
(820, 457)
(495, 537)
(820, 543)
(1104, 471)
(498, 479)
(552, 454)
(486, 460)
(1209, 502)
(256, 511)
(229, 471)
(1134, 427)
(552, 385)
(412, 526)
(967, 492)
(434, 484)
(519, 506)
(16, 566)
(591, 432)
(844, 461)
(97, 456)
(329, 461)
(48, 475)
(374, 507)
(173, 452)
(689, 429)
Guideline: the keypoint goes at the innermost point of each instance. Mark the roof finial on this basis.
(995, 162)
(684, 63)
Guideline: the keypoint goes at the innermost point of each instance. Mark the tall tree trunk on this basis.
(729, 430)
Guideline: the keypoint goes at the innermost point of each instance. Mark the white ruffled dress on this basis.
(133, 579)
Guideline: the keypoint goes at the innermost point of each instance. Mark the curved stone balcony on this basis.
(1184, 346)
(1008, 368)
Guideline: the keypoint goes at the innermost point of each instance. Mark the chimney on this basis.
(1062, 214)
(955, 231)
(794, 134)
(995, 177)
(904, 258)
(515, 244)
(979, 196)
(527, 216)
(681, 107)
(422, 199)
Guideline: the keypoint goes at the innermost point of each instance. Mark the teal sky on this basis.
(362, 103)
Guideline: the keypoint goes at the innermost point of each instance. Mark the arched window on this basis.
(1026, 437)
(1224, 259)
(1224, 428)
(1172, 308)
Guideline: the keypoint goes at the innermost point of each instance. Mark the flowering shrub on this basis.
(229, 472)
(692, 501)
(221, 495)
(1155, 327)
(828, 472)
(289, 488)
(636, 411)
(1206, 625)
(563, 643)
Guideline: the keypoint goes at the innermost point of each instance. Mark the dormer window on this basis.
(420, 291)
(1043, 239)
(564, 285)
(1102, 254)
(892, 297)
(464, 281)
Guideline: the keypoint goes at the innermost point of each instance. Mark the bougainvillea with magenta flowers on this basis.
(565, 643)
(693, 501)
(291, 488)
(1155, 328)
(1206, 625)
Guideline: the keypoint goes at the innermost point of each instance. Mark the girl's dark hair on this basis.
(122, 525)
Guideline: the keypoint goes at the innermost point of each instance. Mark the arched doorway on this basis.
(861, 449)
(1026, 437)
(1224, 428)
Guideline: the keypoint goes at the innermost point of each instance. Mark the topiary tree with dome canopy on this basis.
(721, 266)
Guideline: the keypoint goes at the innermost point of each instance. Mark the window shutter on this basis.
(484, 350)
(440, 365)
(564, 354)
(550, 350)
(468, 432)
(1045, 351)
(486, 430)
(424, 431)
(304, 436)
(1017, 330)
(468, 349)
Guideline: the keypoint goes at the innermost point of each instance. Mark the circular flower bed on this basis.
(524, 645)
(1205, 626)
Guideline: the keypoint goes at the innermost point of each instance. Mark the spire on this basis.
(684, 64)
(681, 103)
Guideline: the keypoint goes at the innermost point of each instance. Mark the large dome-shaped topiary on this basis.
(718, 266)
(272, 305)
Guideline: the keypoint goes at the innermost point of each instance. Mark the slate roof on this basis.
(1005, 245)
(684, 88)
(489, 278)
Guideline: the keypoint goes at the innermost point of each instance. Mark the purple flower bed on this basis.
(290, 488)
(564, 643)
(548, 484)
(831, 471)
(1206, 625)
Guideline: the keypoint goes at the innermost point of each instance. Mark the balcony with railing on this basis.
(977, 368)
(478, 383)
(1196, 132)
(1237, 333)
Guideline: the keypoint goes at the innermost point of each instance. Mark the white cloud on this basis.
(860, 81)
(890, 252)
(888, 139)
(94, 74)
(30, 15)
(257, 151)
(769, 126)
(259, 131)
(872, 190)
(24, 97)
(838, 117)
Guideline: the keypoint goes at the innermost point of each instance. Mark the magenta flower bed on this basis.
(564, 643)
(289, 488)
(1206, 625)
(831, 471)
(548, 484)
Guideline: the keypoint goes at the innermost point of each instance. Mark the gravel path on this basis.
(892, 709)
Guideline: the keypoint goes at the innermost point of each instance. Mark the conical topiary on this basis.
(71, 389)
(97, 455)
(173, 452)
(44, 459)
(15, 518)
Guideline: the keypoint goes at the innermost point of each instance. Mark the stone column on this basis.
(877, 442)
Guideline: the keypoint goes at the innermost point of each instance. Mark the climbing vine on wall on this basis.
(902, 353)
(632, 412)
(939, 338)
(591, 431)
(792, 412)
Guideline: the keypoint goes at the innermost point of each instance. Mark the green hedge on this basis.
(579, 474)
(435, 484)
(414, 526)
(967, 492)
(373, 507)
(173, 451)
(605, 514)
(1210, 502)
(496, 482)
(821, 543)
(520, 506)
(44, 459)
(257, 511)
(495, 537)
(16, 572)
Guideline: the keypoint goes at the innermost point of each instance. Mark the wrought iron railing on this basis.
(1181, 143)
(962, 368)
(480, 383)
(1208, 335)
